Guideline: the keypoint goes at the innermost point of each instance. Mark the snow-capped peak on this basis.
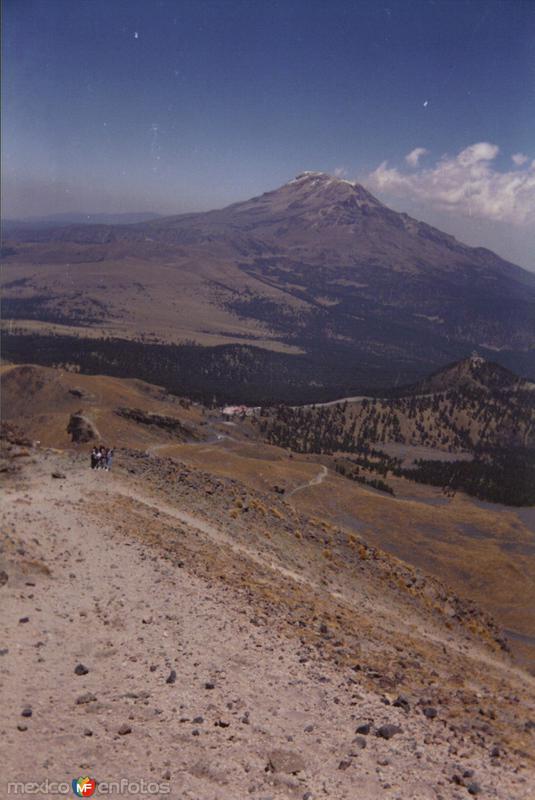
(318, 177)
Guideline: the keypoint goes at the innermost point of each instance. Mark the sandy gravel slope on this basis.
(184, 686)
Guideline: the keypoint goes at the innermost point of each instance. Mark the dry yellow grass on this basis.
(469, 547)
(131, 288)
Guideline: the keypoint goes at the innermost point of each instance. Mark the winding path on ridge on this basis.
(320, 477)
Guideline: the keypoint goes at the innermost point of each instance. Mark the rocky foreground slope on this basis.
(164, 624)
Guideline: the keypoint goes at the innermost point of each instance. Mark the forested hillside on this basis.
(487, 419)
(452, 421)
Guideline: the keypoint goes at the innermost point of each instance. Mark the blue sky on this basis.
(171, 106)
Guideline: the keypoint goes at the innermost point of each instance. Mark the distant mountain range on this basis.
(328, 285)
(53, 220)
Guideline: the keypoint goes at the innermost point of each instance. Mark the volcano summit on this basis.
(335, 292)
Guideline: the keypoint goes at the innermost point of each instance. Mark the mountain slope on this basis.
(199, 618)
(317, 267)
(438, 533)
(42, 401)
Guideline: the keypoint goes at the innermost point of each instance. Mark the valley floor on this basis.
(223, 661)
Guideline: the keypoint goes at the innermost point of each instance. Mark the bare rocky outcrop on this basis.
(81, 428)
(14, 445)
(81, 394)
(14, 435)
(170, 424)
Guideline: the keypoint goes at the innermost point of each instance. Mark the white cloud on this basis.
(467, 183)
(519, 159)
(415, 155)
(482, 151)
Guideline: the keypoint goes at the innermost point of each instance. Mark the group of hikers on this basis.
(102, 458)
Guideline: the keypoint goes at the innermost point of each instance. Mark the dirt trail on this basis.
(340, 401)
(217, 534)
(220, 536)
(184, 686)
(320, 477)
(384, 613)
(208, 442)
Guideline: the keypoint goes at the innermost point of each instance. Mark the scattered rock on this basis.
(22, 727)
(3, 577)
(388, 731)
(344, 763)
(88, 697)
(364, 728)
(58, 474)
(198, 720)
(474, 788)
(26, 712)
(143, 695)
(360, 742)
(285, 761)
(81, 394)
(124, 729)
(88, 732)
(171, 678)
(429, 712)
(24, 619)
(402, 702)
(209, 685)
(80, 669)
